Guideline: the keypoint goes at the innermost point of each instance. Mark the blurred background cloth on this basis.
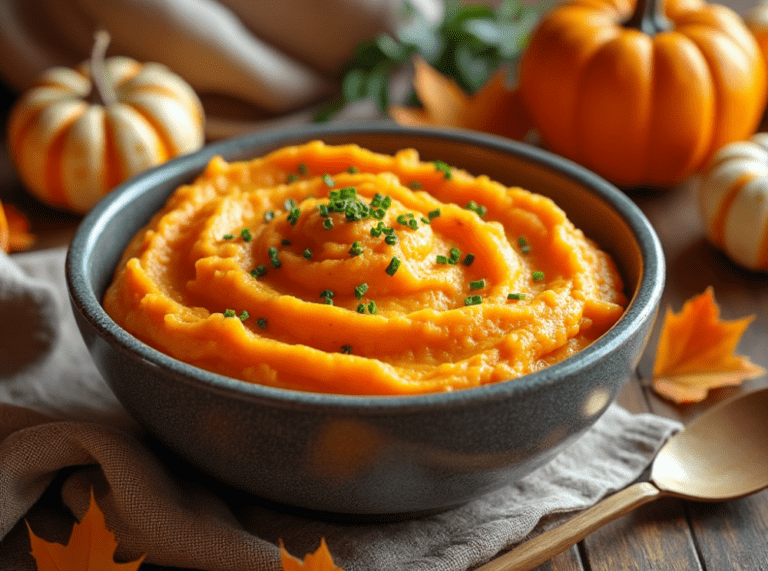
(251, 62)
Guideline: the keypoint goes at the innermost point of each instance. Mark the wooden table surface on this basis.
(672, 534)
(668, 534)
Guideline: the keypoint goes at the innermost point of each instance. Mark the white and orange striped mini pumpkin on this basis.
(78, 133)
(733, 196)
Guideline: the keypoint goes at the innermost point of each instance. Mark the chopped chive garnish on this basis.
(273, 257)
(523, 243)
(372, 307)
(433, 213)
(376, 200)
(346, 201)
(388, 231)
(293, 177)
(302, 168)
(423, 220)
(455, 256)
(516, 296)
(468, 259)
(477, 284)
(473, 300)
(328, 180)
(308, 254)
(361, 308)
(244, 315)
(293, 214)
(269, 216)
(352, 170)
(328, 223)
(440, 259)
(357, 211)
(478, 209)
(246, 234)
(394, 263)
(404, 218)
(229, 313)
(327, 293)
(386, 202)
(360, 290)
(227, 236)
(346, 349)
(262, 322)
(415, 184)
(444, 168)
(285, 242)
(259, 271)
(412, 224)
(379, 213)
(356, 249)
(537, 276)
(390, 239)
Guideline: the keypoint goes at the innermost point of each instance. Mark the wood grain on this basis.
(673, 534)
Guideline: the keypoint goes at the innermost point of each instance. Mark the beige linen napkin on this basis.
(252, 63)
(62, 434)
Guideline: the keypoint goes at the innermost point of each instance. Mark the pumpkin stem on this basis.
(103, 89)
(649, 17)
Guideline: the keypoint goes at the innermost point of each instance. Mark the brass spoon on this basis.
(721, 455)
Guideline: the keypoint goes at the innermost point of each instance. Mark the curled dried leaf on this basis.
(495, 108)
(696, 352)
(14, 230)
(320, 560)
(4, 231)
(91, 547)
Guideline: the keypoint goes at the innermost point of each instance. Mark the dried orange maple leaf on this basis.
(320, 560)
(494, 108)
(14, 230)
(91, 547)
(696, 351)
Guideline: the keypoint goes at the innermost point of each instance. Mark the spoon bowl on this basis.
(722, 455)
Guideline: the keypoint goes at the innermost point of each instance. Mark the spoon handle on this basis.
(556, 540)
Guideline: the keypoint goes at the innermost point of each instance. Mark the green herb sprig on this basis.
(468, 45)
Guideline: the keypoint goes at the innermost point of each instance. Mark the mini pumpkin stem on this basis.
(103, 90)
(649, 17)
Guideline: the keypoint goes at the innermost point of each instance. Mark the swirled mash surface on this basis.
(339, 270)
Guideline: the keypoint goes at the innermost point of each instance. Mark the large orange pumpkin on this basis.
(757, 22)
(640, 95)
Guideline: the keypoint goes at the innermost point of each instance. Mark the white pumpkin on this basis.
(733, 195)
(80, 132)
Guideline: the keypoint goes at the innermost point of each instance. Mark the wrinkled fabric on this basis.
(62, 432)
(252, 63)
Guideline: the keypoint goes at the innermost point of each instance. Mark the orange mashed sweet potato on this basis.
(335, 269)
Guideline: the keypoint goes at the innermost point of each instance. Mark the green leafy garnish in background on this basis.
(468, 44)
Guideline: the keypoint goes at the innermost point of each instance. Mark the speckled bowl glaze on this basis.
(371, 456)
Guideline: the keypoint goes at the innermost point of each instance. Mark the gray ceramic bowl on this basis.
(371, 455)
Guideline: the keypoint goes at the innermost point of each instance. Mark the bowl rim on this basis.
(84, 300)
